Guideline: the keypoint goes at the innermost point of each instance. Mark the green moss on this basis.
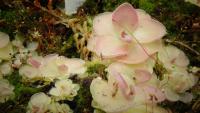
(22, 95)
(8, 17)
(84, 98)
(69, 48)
(12, 107)
(95, 67)
(11, 18)
(147, 5)
(16, 80)
(159, 70)
(110, 5)
(91, 7)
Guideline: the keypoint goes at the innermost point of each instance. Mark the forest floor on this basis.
(66, 35)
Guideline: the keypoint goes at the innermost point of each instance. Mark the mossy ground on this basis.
(181, 19)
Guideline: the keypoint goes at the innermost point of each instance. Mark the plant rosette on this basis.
(177, 80)
(41, 103)
(6, 68)
(6, 48)
(51, 67)
(6, 90)
(147, 109)
(64, 89)
(195, 2)
(126, 35)
(124, 89)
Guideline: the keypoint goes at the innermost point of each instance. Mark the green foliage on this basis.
(159, 70)
(147, 5)
(177, 107)
(16, 80)
(12, 107)
(91, 7)
(11, 18)
(84, 98)
(69, 48)
(22, 95)
(8, 17)
(95, 67)
(109, 5)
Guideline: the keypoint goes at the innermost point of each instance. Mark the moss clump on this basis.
(147, 5)
(159, 70)
(97, 68)
(22, 95)
(84, 98)
(95, 7)
(11, 19)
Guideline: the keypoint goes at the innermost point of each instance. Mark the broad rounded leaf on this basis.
(39, 103)
(142, 75)
(102, 24)
(154, 93)
(35, 62)
(6, 68)
(125, 18)
(147, 65)
(6, 52)
(29, 72)
(6, 91)
(106, 98)
(139, 53)
(171, 55)
(71, 65)
(109, 47)
(136, 54)
(186, 97)
(142, 14)
(147, 109)
(153, 47)
(4, 39)
(149, 30)
(171, 95)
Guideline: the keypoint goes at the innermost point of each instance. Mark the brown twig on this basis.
(183, 44)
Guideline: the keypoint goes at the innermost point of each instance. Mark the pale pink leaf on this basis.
(109, 47)
(102, 24)
(63, 68)
(125, 18)
(155, 95)
(126, 90)
(34, 62)
(139, 53)
(4, 39)
(136, 54)
(149, 30)
(142, 75)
